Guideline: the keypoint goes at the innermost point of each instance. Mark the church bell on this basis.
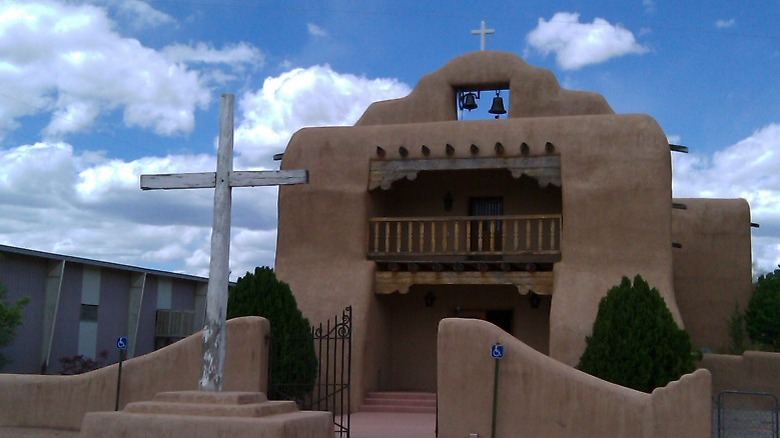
(468, 101)
(498, 105)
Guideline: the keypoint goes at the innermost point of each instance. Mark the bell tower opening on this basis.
(482, 102)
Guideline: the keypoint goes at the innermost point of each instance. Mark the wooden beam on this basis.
(679, 206)
(549, 147)
(474, 149)
(426, 151)
(390, 282)
(268, 177)
(524, 148)
(167, 181)
(545, 169)
(483, 267)
(678, 148)
(403, 152)
(380, 152)
(499, 148)
(449, 149)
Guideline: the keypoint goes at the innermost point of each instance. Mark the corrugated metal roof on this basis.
(98, 263)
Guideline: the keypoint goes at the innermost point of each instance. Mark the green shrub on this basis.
(762, 317)
(635, 341)
(293, 362)
(737, 333)
(10, 318)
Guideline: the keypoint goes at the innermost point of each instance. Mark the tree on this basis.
(293, 362)
(10, 318)
(635, 341)
(762, 317)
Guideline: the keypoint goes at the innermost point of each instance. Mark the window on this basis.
(89, 312)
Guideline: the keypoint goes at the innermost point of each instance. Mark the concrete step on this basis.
(403, 402)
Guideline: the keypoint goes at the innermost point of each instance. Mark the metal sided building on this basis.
(80, 306)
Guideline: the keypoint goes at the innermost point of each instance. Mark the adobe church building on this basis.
(526, 221)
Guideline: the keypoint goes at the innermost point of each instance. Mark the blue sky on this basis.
(94, 93)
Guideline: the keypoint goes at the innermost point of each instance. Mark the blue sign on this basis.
(497, 351)
(121, 343)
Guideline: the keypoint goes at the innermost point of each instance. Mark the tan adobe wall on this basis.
(753, 371)
(616, 195)
(535, 92)
(539, 396)
(60, 402)
(712, 270)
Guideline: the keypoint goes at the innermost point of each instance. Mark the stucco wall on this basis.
(753, 371)
(60, 402)
(615, 197)
(712, 270)
(539, 396)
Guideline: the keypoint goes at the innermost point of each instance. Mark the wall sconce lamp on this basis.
(448, 200)
(535, 299)
(429, 299)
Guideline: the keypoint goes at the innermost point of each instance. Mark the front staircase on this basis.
(404, 402)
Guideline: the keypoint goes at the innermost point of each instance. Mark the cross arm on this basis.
(168, 181)
(268, 177)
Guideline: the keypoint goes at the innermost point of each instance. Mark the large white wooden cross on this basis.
(482, 31)
(219, 275)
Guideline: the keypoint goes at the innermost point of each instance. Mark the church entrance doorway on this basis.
(409, 360)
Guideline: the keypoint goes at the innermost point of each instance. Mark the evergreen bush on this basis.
(10, 319)
(635, 341)
(293, 362)
(762, 317)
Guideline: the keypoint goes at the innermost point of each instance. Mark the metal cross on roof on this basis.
(482, 31)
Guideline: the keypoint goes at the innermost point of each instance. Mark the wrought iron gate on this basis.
(333, 346)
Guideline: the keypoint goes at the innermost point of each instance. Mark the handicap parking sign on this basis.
(121, 343)
(497, 351)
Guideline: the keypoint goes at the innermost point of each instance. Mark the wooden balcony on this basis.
(504, 238)
(513, 250)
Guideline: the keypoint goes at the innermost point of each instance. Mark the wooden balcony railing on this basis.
(391, 237)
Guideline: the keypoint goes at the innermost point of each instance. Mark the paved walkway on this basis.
(363, 425)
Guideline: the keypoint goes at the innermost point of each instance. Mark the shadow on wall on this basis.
(539, 396)
(60, 402)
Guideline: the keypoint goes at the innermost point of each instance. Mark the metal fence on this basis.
(331, 391)
(746, 414)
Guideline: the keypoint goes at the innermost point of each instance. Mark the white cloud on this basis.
(315, 30)
(54, 198)
(747, 169)
(649, 5)
(578, 44)
(315, 96)
(69, 60)
(142, 14)
(236, 54)
(723, 24)
(673, 139)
